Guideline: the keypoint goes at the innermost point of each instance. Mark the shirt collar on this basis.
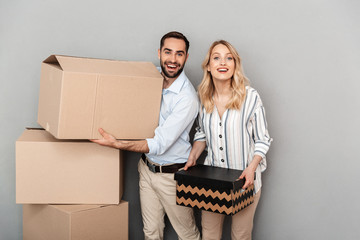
(176, 86)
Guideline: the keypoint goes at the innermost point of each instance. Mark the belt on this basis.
(173, 168)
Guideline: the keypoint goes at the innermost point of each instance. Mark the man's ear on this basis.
(159, 51)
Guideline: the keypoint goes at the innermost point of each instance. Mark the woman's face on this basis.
(221, 64)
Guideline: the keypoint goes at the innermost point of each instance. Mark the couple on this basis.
(231, 124)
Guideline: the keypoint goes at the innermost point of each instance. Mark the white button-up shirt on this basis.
(179, 108)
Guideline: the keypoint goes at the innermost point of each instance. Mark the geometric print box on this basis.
(213, 189)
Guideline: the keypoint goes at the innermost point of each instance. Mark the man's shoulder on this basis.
(188, 92)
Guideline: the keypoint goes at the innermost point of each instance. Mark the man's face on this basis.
(172, 57)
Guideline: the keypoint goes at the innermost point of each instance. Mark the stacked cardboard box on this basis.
(80, 222)
(72, 188)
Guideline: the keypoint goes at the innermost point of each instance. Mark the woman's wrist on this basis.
(255, 162)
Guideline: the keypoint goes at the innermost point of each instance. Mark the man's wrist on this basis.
(117, 144)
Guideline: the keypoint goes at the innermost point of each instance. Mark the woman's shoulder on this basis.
(250, 91)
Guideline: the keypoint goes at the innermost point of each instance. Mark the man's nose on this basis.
(173, 57)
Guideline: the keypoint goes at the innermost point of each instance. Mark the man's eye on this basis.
(180, 54)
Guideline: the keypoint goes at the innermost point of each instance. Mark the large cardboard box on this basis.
(213, 189)
(79, 95)
(75, 222)
(55, 171)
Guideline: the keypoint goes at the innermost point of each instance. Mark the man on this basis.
(168, 151)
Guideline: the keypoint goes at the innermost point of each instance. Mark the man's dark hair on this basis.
(176, 35)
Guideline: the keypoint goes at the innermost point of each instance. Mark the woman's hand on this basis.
(249, 172)
(249, 175)
(190, 163)
(197, 148)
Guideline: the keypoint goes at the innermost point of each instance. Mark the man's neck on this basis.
(167, 82)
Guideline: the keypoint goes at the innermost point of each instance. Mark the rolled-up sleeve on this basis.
(262, 139)
(199, 134)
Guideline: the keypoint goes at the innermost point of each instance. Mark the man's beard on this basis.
(171, 75)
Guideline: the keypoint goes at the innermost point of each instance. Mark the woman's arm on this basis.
(197, 149)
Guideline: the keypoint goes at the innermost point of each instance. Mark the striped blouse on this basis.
(234, 139)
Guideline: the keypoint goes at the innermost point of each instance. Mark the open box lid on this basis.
(103, 66)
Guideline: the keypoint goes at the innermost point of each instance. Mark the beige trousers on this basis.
(157, 198)
(241, 223)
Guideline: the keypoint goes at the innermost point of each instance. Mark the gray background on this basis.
(302, 56)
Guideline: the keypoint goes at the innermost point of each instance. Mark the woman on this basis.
(232, 125)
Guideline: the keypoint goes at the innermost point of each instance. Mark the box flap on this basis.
(40, 135)
(69, 208)
(36, 135)
(104, 66)
(74, 208)
(52, 60)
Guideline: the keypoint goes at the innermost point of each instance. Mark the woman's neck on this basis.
(222, 89)
(222, 95)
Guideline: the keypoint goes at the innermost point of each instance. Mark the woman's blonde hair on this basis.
(238, 83)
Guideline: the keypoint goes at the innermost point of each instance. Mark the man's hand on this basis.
(107, 140)
(110, 141)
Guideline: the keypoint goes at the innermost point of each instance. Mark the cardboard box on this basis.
(75, 222)
(55, 171)
(213, 189)
(79, 95)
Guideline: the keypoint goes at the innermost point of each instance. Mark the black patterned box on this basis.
(213, 189)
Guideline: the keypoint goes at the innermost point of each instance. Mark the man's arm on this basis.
(182, 115)
(110, 141)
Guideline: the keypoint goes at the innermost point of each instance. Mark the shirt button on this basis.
(220, 136)
(222, 160)
(221, 148)
(220, 124)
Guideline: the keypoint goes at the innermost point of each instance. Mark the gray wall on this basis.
(302, 56)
